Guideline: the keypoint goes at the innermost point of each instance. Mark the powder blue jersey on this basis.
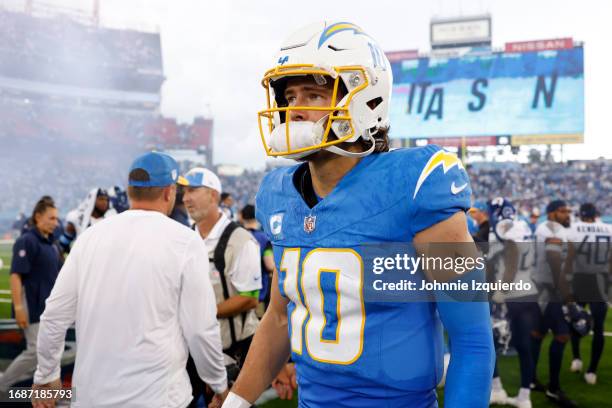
(349, 352)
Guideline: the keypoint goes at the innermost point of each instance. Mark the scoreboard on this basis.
(529, 91)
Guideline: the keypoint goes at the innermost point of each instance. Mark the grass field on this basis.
(596, 396)
(5, 255)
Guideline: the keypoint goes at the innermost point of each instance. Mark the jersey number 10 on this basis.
(303, 286)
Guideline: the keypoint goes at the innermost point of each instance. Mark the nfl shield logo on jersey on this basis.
(309, 223)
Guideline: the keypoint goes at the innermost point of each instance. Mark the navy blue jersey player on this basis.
(328, 99)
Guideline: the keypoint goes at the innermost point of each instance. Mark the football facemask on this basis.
(359, 77)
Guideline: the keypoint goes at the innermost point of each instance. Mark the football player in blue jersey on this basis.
(328, 101)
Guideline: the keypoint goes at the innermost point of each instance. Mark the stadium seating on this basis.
(62, 150)
(61, 51)
(535, 184)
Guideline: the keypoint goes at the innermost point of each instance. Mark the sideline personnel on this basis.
(35, 264)
(247, 218)
(135, 285)
(235, 266)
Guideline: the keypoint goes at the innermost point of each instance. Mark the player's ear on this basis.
(170, 192)
(215, 197)
(36, 218)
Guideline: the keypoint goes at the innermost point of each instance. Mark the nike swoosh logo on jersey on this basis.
(457, 190)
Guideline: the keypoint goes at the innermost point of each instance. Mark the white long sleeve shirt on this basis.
(137, 286)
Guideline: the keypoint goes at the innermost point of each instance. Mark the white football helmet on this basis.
(339, 52)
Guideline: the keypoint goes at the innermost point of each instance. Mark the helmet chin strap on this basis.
(346, 153)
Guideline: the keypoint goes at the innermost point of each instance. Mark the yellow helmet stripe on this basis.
(341, 26)
(337, 27)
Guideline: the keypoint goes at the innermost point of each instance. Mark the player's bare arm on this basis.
(511, 260)
(234, 305)
(568, 265)
(555, 261)
(451, 230)
(269, 351)
(16, 295)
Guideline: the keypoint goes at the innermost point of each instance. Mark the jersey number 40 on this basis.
(303, 286)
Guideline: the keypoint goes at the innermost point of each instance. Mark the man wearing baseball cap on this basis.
(534, 216)
(235, 266)
(479, 212)
(137, 286)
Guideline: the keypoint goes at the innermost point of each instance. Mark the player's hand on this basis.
(46, 402)
(21, 318)
(285, 382)
(218, 399)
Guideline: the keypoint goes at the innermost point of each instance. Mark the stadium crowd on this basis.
(528, 185)
(76, 148)
(60, 50)
(42, 120)
(532, 185)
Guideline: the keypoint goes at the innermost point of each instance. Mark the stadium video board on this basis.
(500, 93)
